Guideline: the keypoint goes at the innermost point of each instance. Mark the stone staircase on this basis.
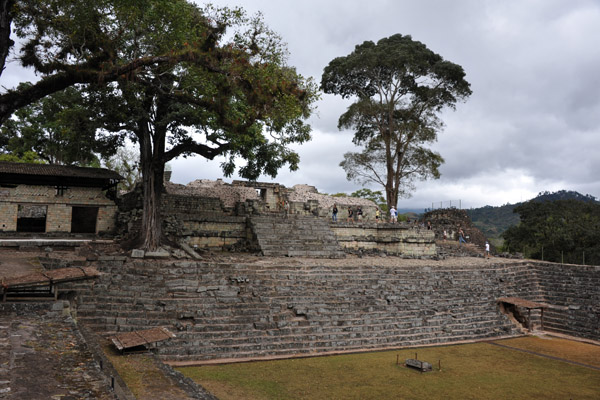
(295, 236)
(228, 311)
(451, 248)
(573, 297)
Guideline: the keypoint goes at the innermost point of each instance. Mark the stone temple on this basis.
(249, 279)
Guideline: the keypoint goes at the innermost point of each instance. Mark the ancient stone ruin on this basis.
(259, 280)
(250, 216)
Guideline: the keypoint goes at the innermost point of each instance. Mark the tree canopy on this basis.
(60, 129)
(559, 231)
(398, 87)
(176, 79)
(69, 42)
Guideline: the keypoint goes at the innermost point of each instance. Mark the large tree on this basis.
(399, 87)
(239, 100)
(179, 81)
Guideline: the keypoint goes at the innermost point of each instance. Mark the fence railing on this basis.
(435, 205)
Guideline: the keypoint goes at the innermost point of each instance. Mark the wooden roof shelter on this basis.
(31, 284)
(128, 340)
(49, 174)
(527, 304)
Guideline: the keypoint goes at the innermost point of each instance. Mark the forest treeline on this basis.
(566, 231)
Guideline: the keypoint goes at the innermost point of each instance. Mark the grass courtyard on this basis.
(470, 371)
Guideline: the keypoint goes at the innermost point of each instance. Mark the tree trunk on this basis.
(5, 21)
(152, 178)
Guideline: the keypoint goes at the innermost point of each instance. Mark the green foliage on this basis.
(494, 221)
(375, 196)
(558, 231)
(60, 128)
(29, 157)
(399, 87)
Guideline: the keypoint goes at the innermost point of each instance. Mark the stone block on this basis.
(137, 253)
(158, 254)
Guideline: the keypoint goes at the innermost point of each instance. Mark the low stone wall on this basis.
(388, 238)
(207, 230)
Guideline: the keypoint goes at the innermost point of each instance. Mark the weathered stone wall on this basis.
(8, 216)
(573, 295)
(258, 307)
(59, 207)
(225, 310)
(202, 222)
(389, 238)
(451, 220)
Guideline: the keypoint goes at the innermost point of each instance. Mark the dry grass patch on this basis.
(557, 347)
(475, 371)
(142, 376)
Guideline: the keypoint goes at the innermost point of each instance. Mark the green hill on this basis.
(493, 221)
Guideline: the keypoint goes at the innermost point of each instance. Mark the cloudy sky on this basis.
(532, 123)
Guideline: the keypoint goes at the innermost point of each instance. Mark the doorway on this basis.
(83, 219)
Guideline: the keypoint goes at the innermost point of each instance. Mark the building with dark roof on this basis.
(56, 198)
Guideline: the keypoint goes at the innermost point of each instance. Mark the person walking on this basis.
(461, 237)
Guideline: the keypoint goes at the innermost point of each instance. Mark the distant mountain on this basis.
(417, 211)
(493, 221)
(565, 195)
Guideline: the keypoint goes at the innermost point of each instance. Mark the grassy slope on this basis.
(475, 371)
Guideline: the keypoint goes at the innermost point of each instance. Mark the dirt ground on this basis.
(42, 357)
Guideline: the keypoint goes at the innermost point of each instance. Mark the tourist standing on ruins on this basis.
(461, 237)
(350, 215)
(334, 213)
(359, 214)
(286, 208)
(487, 249)
(377, 214)
(393, 215)
(445, 235)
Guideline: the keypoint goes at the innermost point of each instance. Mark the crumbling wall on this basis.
(451, 220)
(398, 239)
(202, 222)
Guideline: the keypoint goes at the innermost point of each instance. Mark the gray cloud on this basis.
(532, 123)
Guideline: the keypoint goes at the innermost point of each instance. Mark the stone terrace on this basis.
(573, 295)
(248, 307)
